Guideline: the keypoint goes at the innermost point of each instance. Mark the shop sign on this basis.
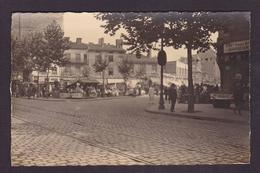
(237, 46)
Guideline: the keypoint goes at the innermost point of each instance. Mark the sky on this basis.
(87, 27)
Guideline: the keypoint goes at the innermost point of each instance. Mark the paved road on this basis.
(118, 132)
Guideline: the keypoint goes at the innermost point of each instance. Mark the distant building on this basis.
(26, 23)
(204, 67)
(176, 72)
(82, 57)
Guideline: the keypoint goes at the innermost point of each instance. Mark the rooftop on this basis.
(96, 47)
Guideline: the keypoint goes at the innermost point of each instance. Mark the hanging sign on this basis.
(237, 46)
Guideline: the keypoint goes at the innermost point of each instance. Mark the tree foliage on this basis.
(100, 64)
(125, 68)
(39, 51)
(20, 55)
(56, 44)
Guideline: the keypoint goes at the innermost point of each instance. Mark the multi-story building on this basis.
(209, 67)
(234, 51)
(176, 72)
(82, 57)
(143, 69)
(204, 67)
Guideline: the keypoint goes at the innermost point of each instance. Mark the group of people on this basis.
(30, 90)
(171, 95)
(201, 93)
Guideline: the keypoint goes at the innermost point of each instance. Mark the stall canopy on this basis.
(84, 81)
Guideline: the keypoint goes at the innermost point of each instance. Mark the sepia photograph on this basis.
(132, 88)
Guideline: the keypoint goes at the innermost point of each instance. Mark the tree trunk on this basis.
(103, 88)
(38, 87)
(125, 89)
(48, 83)
(26, 74)
(190, 82)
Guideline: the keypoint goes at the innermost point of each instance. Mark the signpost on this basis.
(162, 58)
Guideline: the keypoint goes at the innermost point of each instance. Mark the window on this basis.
(77, 70)
(54, 71)
(110, 58)
(78, 58)
(68, 56)
(85, 58)
(110, 71)
(143, 68)
(98, 58)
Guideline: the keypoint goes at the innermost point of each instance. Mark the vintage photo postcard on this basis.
(164, 88)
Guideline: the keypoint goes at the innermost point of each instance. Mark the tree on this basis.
(56, 44)
(100, 66)
(192, 30)
(125, 68)
(20, 57)
(38, 55)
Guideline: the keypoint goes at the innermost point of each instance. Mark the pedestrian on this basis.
(166, 92)
(173, 96)
(238, 94)
(151, 94)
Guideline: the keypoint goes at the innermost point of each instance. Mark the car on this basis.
(221, 100)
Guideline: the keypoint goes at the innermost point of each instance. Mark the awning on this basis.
(87, 80)
(84, 81)
(112, 81)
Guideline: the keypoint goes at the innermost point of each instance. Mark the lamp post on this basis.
(161, 61)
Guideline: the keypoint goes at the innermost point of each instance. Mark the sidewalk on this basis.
(202, 112)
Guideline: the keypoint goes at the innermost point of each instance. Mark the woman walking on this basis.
(151, 94)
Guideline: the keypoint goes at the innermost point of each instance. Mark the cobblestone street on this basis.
(119, 132)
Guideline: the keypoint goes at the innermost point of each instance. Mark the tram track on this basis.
(113, 132)
(88, 142)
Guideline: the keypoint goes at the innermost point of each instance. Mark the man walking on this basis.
(238, 93)
(172, 96)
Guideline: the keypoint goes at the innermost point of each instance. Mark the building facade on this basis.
(233, 51)
(82, 57)
(176, 72)
(204, 67)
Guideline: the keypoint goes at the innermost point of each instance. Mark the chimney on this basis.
(78, 40)
(67, 38)
(149, 53)
(101, 41)
(119, 43)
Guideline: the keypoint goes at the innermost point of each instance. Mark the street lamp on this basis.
(161, 61)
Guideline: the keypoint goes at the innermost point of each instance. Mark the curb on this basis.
(197, 117)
